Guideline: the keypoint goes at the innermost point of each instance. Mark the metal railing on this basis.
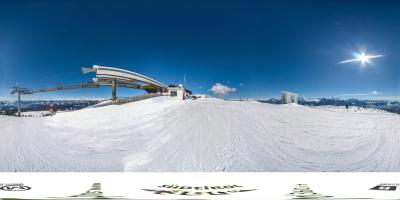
(125, 100)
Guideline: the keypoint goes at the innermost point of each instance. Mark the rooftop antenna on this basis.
(184, 80)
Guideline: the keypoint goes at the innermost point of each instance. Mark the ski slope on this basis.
(163, 134)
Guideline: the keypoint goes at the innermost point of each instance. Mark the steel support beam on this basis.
(114, 90)
(19, 104)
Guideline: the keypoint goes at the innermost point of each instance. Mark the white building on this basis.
(289, 97)
(179, 92)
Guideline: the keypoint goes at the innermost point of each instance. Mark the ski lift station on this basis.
(289, 97)
(115, 77)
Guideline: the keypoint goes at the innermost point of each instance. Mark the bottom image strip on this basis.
(166, 186)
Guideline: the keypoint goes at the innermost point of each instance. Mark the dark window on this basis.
(174, 93)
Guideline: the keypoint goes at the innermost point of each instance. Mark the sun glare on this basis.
(362, 58)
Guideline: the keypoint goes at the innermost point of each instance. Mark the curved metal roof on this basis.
(123, 77)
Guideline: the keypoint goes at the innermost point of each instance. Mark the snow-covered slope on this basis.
(162, 134)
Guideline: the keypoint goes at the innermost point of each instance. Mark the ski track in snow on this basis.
(162, 134)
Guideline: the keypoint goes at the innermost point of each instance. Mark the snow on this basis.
(164, 134)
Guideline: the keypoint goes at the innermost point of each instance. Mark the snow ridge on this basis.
(163, 134)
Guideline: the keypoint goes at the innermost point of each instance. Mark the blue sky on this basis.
(257, 47)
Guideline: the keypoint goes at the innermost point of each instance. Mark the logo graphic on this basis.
(93, 193)
(14, 187)
(303, 191)
(198, 190)
(386, 187)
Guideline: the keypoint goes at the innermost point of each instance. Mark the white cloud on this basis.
(363, 94)
(376, 92)
(390, 98)
(241, 84)
(221, 90)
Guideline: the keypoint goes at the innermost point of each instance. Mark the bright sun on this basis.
(362, 58)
